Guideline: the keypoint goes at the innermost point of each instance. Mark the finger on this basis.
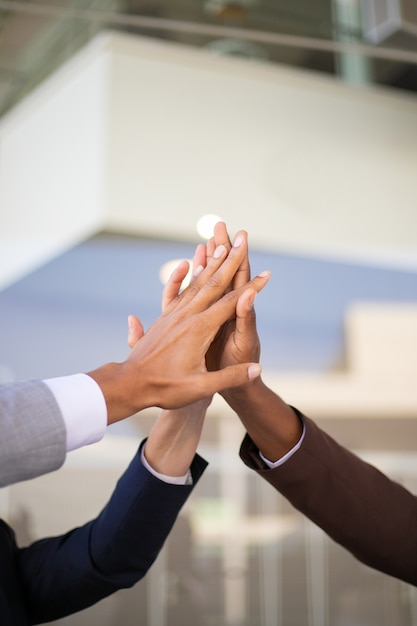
(173, 286)
(245, 324)
(198, 387)
(135, 330)
(199, 260)
(222, 310)
(242, 275)
(221, 236)
(201, 278)
(213, 281)
(211, 246)
(232, 376)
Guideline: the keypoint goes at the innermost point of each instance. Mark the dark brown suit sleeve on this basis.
(358, 506)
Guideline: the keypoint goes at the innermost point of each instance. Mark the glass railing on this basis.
(360, 41)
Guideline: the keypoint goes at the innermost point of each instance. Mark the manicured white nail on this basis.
(198, 271)
(254, 371)
(238, 241)
(264, 274)
(219, 251)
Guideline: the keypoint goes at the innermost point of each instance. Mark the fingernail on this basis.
(219, 251)
(254, 371)
(238, 241)
(198, 271)
(264, 274)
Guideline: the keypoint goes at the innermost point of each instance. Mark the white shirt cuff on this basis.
(281, 461)
(172, 480)
(83, 408)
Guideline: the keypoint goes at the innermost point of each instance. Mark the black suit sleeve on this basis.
(62, 575)
(372, 516)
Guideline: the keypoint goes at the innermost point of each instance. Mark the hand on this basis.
(167, 366)
(136, 332)
(272, 424)
(173, 440)
(237, 340)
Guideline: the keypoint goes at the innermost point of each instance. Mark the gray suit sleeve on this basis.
(32, 432)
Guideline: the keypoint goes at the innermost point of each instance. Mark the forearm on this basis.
(358, 506)
(271, 423)
(62, 575)
(173, 441)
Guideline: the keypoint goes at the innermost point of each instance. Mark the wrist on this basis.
(120, 393)
(272, 424)
(173, 441)
(245, 395)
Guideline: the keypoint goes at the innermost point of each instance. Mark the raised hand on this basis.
(167, 366)
(237, 340)
(173, 440)
(272, 424)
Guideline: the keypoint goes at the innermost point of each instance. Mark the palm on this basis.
(230, 347)
(220, 354)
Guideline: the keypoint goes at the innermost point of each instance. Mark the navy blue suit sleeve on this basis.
(62, 575)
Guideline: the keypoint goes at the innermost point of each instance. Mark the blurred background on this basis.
(126, 129)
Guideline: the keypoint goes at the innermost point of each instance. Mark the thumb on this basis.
(135, 330)
(232, 376)
(173, 286)
(245, 313)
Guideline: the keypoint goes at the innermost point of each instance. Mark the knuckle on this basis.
(192, 290)
(230, 297)
(214, 281)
